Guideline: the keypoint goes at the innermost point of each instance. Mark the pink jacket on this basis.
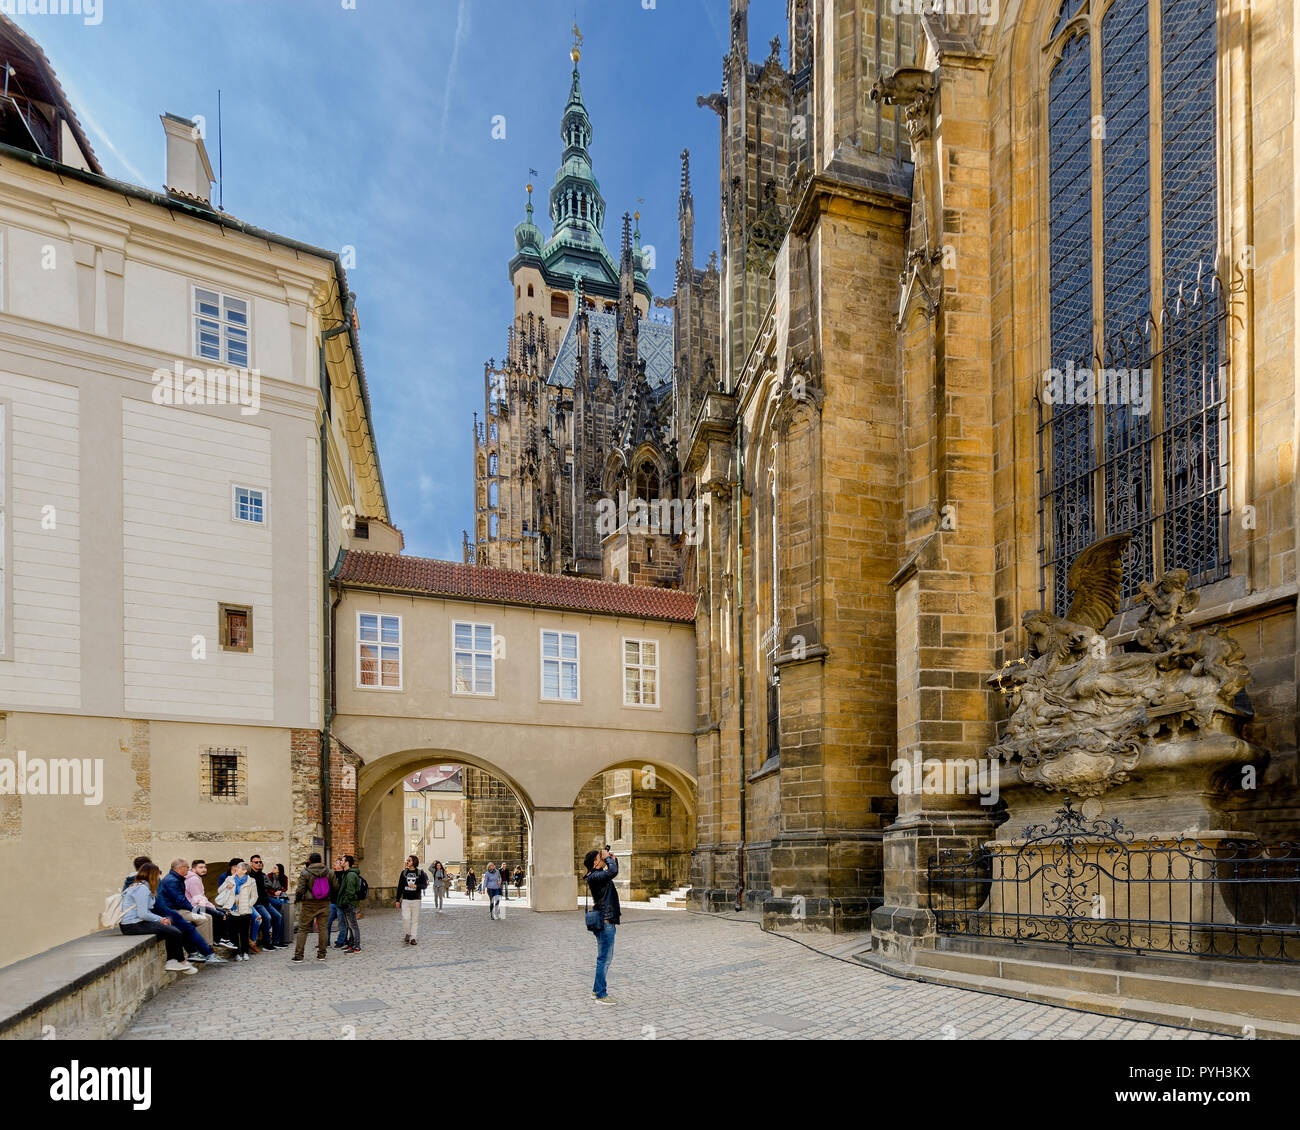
(194, 892)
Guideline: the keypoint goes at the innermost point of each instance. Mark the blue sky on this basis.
(372, 127)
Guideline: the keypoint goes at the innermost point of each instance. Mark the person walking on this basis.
(505, 882)
(238, 894)
(519, 882)
(138, 917)
(492, 888)
(410, 892)
(439, 874)
(313, 894)
(602, 868)
(471, 884)
(349, 899)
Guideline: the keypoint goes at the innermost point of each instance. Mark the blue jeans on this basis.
(189, 935)
(263, 924)
(282, 917)
(604, 957)
(335, 912)
(268, 912)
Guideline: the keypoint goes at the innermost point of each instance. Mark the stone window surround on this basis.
(223, 630)
(241, 775)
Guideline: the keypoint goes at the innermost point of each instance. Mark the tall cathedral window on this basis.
(1133, 426)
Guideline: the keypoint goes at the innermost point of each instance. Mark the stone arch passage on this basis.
(381, 839)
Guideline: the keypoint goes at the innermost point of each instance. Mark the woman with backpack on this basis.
(471, 883)
(410, 892)
(237, 895)
(439, 873)
(138, 917)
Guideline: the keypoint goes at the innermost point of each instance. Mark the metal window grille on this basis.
(1144, 450)
(224, 773)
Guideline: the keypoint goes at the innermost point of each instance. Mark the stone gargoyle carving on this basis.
(1082, 709)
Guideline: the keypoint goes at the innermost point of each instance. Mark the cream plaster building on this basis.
(162, 564)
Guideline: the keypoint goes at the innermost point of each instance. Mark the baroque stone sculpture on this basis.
(1084, 711)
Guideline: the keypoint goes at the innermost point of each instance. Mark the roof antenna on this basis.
(221, 185)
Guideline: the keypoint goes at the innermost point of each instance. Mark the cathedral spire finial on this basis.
(575, 52)
(686, 172)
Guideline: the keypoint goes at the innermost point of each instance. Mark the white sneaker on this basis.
(188, 968)
(214, 958)
(228, 945)
(175, 966)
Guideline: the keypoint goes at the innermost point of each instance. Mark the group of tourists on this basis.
(252, 904)
(248, 916)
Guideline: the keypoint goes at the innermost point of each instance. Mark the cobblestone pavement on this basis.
(676, 975)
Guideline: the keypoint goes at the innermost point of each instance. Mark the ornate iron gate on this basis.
(1086, 883)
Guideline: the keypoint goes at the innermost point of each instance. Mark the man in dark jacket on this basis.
(602, 868)
(172, 902)
(312, 908)
(265, 910)
(349, 898)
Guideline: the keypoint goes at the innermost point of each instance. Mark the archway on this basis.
(492, 816)
(647, 814)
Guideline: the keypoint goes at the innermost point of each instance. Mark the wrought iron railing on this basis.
(1087, 883)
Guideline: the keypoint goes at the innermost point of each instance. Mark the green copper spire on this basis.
(528, 236)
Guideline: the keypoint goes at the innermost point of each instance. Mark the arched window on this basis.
(492, 463)
(647, 481)
(530, 290)
(559, 305)
(493, 494)
(1133, 403)
(516, 290)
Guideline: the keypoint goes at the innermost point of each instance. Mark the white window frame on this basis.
(623, 665)
(223, 337)
(6, 534)
(474, 652)
(224, 327)
(265, 521)
(380, 643)
(559, 660)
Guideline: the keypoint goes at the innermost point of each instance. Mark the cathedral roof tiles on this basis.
(504, 586)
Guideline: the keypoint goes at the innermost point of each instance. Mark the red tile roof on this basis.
(503, 586)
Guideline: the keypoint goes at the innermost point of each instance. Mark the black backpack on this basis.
(363, 888)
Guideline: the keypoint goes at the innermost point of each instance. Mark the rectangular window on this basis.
(560, 666)
(379, 651)
(235, 626)
(223, 774)
(415, 823)
(248, 504)
(220, 327)
(640, 673)
(618, 828)
(473, 664)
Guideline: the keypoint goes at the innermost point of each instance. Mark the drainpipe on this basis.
(327, 567)
(736, 491)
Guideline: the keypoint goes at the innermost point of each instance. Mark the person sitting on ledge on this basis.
(138, 917)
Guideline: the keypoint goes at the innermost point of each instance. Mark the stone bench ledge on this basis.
(36, 983)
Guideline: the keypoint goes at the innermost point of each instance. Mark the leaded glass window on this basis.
(1132, 420)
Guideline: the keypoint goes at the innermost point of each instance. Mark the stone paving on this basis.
(676, 975)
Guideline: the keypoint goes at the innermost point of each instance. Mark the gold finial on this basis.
(575, 54)
(529, 187)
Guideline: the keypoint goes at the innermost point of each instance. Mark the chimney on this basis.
(189, 173)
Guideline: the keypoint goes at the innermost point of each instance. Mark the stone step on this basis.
(1229, 1007)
